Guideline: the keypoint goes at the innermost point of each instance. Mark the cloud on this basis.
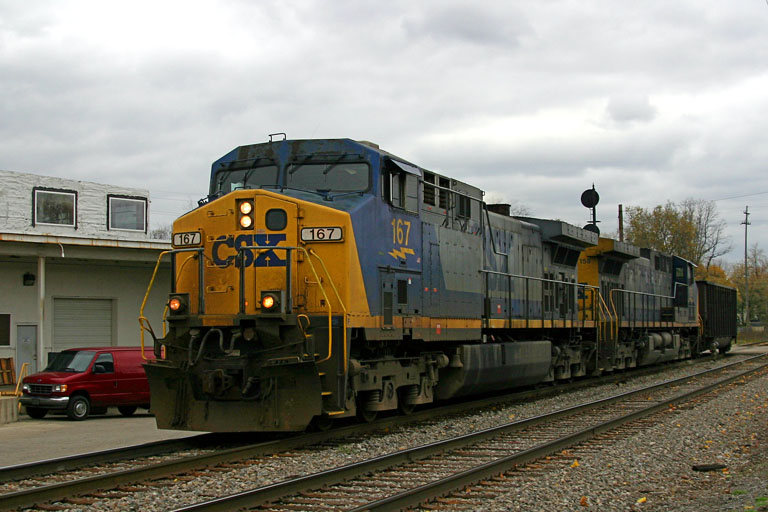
(651, 101)
(624, 109)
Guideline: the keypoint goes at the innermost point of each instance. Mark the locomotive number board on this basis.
(188, 239)
(321, 234)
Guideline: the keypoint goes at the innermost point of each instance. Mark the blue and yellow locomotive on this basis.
(323, 279)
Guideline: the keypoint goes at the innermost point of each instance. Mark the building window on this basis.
(127, 213)
(5, 330)
(55, 207)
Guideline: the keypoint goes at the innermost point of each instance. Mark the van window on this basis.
(107, 362)
(71, 361)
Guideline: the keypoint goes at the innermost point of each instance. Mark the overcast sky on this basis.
(531, 100)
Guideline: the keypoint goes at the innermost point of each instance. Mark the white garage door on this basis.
(81, 323)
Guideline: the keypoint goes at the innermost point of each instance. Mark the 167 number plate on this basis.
(189, 239)
(321, 234)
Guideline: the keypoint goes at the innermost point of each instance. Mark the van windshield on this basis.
(69, 361)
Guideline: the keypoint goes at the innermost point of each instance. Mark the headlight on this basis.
(177, 303)
(25, 388)
(60, 388)
(245, 214)
(270, 301)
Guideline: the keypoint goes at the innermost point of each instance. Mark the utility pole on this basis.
(621, 223)
(746, 269)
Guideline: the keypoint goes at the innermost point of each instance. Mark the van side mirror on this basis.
(99, 368)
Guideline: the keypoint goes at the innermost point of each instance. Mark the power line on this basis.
(745, 195)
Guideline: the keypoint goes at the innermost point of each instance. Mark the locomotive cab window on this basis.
(400, 184)
(248, 177)
(329, 177)
(401, 189)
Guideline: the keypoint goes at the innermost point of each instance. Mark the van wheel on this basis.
(78, 408)
(36, 412)
(127, 410)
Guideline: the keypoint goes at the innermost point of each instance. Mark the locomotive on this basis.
(328, 278)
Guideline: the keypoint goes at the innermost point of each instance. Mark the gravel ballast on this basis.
(650, 470)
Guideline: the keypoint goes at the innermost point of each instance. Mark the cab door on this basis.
(102, 382)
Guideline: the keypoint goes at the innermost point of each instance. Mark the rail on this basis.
(357, 482)
(90, 481)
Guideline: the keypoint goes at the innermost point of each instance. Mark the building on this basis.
(75, 262)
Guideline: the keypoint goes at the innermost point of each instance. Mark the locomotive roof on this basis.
(563, 233)
(335, 146)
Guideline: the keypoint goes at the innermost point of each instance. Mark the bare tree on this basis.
(161, 232)
(710, 242)
(692, 230)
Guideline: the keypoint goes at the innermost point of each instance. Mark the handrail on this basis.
(343, 308)
(144, 324)
(541, 279)
(604, 308)
(142, 319)
(632, 292)
(288, 250)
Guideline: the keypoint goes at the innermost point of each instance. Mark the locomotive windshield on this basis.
(251, 177)
(336, 177)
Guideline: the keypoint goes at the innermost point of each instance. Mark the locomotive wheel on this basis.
(321, 423)
(36, 412)
(404, 408)
(78, 408)
(405, 396)
(366, 416)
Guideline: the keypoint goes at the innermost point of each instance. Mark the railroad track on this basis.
(411, 477)
(95, 473)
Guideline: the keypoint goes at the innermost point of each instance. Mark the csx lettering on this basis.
(225, 250)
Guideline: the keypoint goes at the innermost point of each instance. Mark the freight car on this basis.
(717, 306)
(328, 278)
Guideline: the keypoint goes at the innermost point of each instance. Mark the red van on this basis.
(83, 381)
